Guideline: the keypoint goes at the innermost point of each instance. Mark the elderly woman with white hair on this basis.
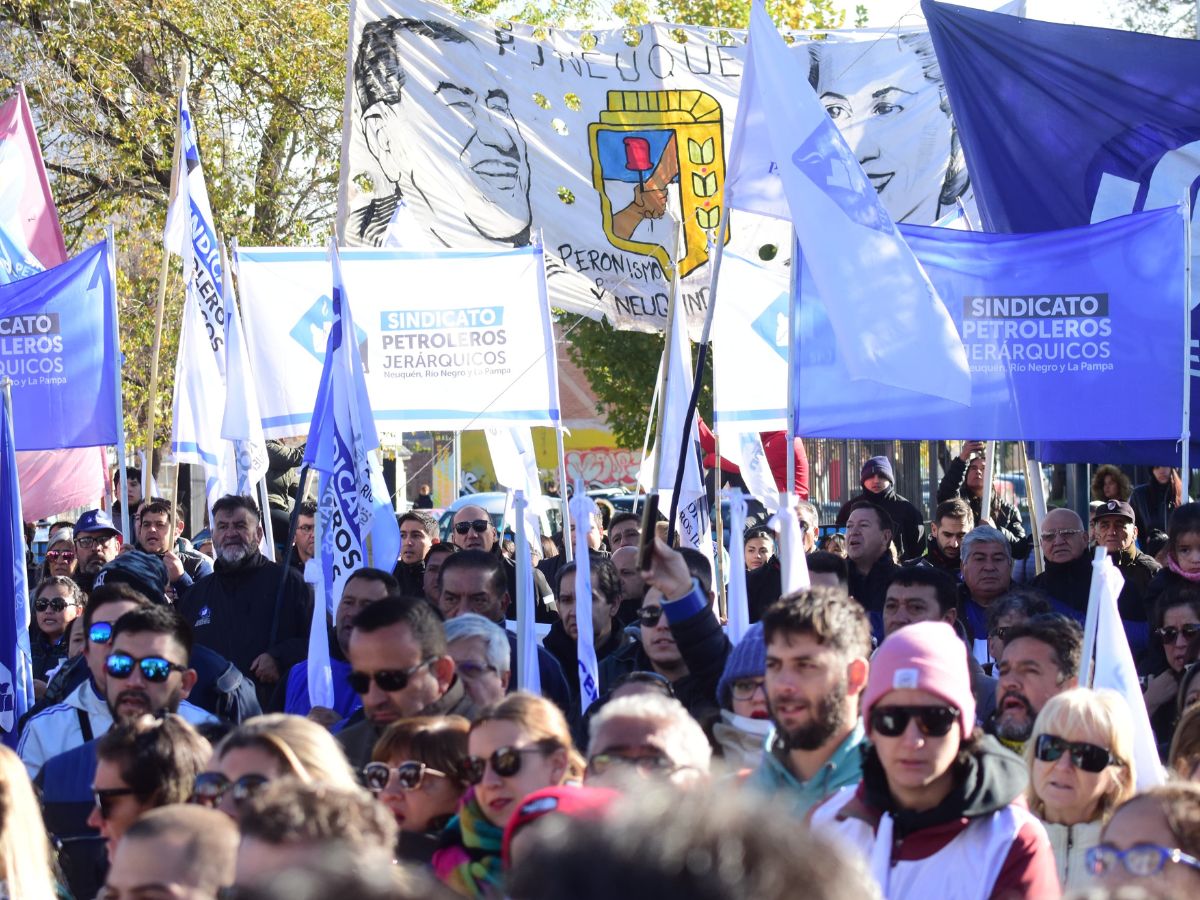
(1081, 769)
(482, 657)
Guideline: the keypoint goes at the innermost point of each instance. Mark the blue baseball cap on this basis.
(95, 520)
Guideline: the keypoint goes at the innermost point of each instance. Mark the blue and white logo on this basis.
(312, 331)
(772, 325)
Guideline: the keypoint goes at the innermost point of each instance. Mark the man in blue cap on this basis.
(97, 542)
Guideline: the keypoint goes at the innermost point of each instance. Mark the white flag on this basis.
(527, 664)
(242, 423)
(737, 603)
(515, 464)
(864, 272)
(582, 510)
(1114, 668)
(793, 574)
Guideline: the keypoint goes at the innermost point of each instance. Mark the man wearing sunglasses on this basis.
(399, 667)
(941, 800)
(473, 530)
(97, 542)
(82, 714)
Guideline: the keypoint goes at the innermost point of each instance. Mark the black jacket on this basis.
(1152, 506)
(1068, 583)
(933, 558)
(1004, 515)
(411, 577)
(1139, 570)
(704, 648)
(763, 587)
(564, 649)
(910, 523)
(233, 611)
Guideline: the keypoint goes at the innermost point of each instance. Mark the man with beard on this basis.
(818, 642)
(252, 611)
(1039, 661)
(951, 521)
(97, 541)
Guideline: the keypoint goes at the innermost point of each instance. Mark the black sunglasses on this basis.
(479, 525)
(154, 668)
(58, 604)
(410, 775)
(649, 615)
(1170, 633)
(388, 679)
(210, 787)
(505, 762)
(1084, 756)
(104, 797)
(932, 721)
(100, 632)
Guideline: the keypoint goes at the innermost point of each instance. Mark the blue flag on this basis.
(58, 343)
(355, 525)
(16, 661)
(1055, 326)
(1064, 125)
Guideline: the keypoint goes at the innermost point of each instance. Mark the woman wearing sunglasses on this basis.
(515, 747)
(1080, 759)
(57, 602)
(263, 749)
(1153, 841)
(416, 772)
(1176, 628)
(938, 812)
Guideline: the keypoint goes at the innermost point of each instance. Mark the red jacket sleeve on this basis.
(1029, 870)
(775, 449)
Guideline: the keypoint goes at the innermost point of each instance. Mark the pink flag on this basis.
(52, 481)
(35, 209)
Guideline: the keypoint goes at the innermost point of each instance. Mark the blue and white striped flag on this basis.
(199, 404)
(355, 525)
(16, 661)
(582, 510)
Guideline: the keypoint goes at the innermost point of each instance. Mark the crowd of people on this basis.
(911, 725)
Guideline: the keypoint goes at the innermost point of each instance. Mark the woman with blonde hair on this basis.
(1081, 768)
(515, 747)
(25, 860)
(265, 748)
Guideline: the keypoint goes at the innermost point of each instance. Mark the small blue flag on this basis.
(16, 661)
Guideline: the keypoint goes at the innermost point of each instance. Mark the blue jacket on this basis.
(554, 682)
(65, 783)
(345, 701)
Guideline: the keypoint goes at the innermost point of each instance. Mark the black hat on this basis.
(1115, 508)
(144, 572)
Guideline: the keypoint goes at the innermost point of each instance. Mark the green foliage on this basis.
(1173, 18)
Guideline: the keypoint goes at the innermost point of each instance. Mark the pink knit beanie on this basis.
(925, 656)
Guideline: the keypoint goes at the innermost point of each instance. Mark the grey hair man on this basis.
(987, 574)
(646, 735)
(482, 656)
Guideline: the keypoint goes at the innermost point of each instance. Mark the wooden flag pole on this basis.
(181, 76)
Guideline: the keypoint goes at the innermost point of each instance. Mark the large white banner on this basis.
(449, 340)
(476, 133)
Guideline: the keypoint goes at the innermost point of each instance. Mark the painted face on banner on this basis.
(450, 144)
(888, 111)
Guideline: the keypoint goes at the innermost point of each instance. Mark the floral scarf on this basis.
(468, 860)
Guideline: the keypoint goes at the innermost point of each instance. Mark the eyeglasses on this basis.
(505, 762)
(1140, 860)
(212, 786)
(410, 775)
(932, 721)
(154, 668)
(649, 615)
(1084, 756)
(473, 670)
(477, 525)
(1051, 536)
(100, 632)
(87, 542)
(64, 555)
(103, 798)
(1170, 634)
(58, 604)
(388, 679)
(653, 764)
(746, 688)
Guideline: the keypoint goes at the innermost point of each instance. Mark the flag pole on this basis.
(164, 271)
(1036, 497)
(792, 387)
(1088, 660)
(665, 364)
(985, 501)
(110, 236)
(654, 399)
(719, 543)
(1185, 462)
